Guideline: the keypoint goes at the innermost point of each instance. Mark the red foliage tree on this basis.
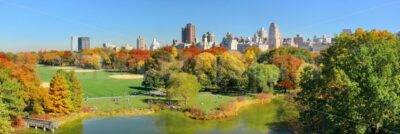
(216, 50)
(289, 66)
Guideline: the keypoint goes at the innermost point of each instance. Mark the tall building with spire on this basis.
(189, 34)
(154, 45)
(275, 38)
(141, 43)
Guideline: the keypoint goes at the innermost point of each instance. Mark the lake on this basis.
(259, 119)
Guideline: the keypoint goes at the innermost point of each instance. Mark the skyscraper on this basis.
(275, 38)
(154, 45)
(189, 33)
(83, 43)
(74, 43)
(141, 43)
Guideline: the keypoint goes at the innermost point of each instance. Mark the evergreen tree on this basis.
(59, 101)
(75, 90)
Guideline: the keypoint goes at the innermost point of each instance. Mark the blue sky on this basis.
(48, 24)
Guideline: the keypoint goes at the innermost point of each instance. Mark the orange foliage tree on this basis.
(137, 58)
(289, 66)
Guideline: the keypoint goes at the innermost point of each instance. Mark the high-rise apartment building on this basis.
(74, 43)
(83, 43)
(154, 45)
(141, 43)
(275, 38)
(189, 34)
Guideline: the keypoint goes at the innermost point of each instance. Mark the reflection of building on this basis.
(74, 43)
(141, 43)
(154, 45)
(83, 43)
(189, 34)
(274, 39)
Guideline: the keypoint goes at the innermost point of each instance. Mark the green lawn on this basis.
(205, 101)
(97, 84)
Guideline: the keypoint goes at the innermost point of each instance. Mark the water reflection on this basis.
(268, 118)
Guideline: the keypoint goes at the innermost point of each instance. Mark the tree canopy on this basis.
(262, 77)
(357, 89)
(183, 85)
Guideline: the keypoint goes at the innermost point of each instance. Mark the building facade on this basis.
(189, 34)
(274, 38)
(154, 45)
(74, 43)
(141, 43)
(83, 43)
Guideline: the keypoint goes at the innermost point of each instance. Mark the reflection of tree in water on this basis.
(270, 117)
(177, 123)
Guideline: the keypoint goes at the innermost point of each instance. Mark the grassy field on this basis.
(205, 101)
(97, 84)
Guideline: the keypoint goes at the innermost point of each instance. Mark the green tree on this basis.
(59, 101)
(5, 121)
(183, 85)
(11, 101)
(358, 87)
(296, 52)
(230, 69)
(203, 66)
(262, 77)
(75, 90)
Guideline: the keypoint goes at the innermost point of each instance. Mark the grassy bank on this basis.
(227, 110)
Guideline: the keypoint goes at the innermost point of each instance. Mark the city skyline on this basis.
(49, 25)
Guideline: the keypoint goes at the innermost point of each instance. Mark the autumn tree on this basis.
(216, 50)
(357, 88)
(27, 58)
(251, 54)
(137, 59)
(68, 58)
(183, 85)
(120, 60)
(90, 61)
(289, 66)
(204, 67)
(52, 58)
(230, 69)
(262, 77)
(189, 53)
(59, 101)
(75, 90)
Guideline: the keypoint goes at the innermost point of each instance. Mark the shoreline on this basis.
(217, 114)
(231, 110)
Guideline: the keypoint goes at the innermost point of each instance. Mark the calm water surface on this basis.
(260, 119)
